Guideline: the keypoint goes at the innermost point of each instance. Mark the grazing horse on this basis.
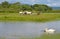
(20, 13)
(28, 13)
(49, 31)
(25, 13)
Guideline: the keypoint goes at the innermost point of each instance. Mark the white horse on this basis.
(49, 31)
(25, 13)
(28, 13)
(20, 13)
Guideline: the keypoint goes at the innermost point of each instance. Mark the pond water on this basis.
(13, 30)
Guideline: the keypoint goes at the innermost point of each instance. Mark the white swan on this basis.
(49, 31)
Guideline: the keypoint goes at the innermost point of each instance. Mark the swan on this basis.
(49, 31)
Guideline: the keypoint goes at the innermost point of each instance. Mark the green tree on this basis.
(15, 6)
(5, 4)
(26, 7)
(41, 7)
(0, 6)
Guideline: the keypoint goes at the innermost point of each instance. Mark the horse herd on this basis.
(25, 13)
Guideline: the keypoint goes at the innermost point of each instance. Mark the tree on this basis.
(0, 6)
(15, 6)
(5, 4)
(26, 7)
(41, 7)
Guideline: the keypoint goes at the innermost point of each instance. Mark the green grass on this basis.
(45, 36)
(55, 36)
(38, 18)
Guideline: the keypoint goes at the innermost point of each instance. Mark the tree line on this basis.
(17, 6)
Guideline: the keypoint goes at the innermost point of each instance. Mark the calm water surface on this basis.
(13, 30)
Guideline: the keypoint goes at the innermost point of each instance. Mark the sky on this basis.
(52, 3)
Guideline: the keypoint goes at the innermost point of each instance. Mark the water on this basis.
(15, 30)
(56, 8)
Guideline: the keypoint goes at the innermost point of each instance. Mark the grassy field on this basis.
(43, 17)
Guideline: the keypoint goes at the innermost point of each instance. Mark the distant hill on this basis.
(56, 8)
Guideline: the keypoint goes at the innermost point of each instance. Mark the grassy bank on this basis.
(44, 36)
(55, 36)
(38, 18)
